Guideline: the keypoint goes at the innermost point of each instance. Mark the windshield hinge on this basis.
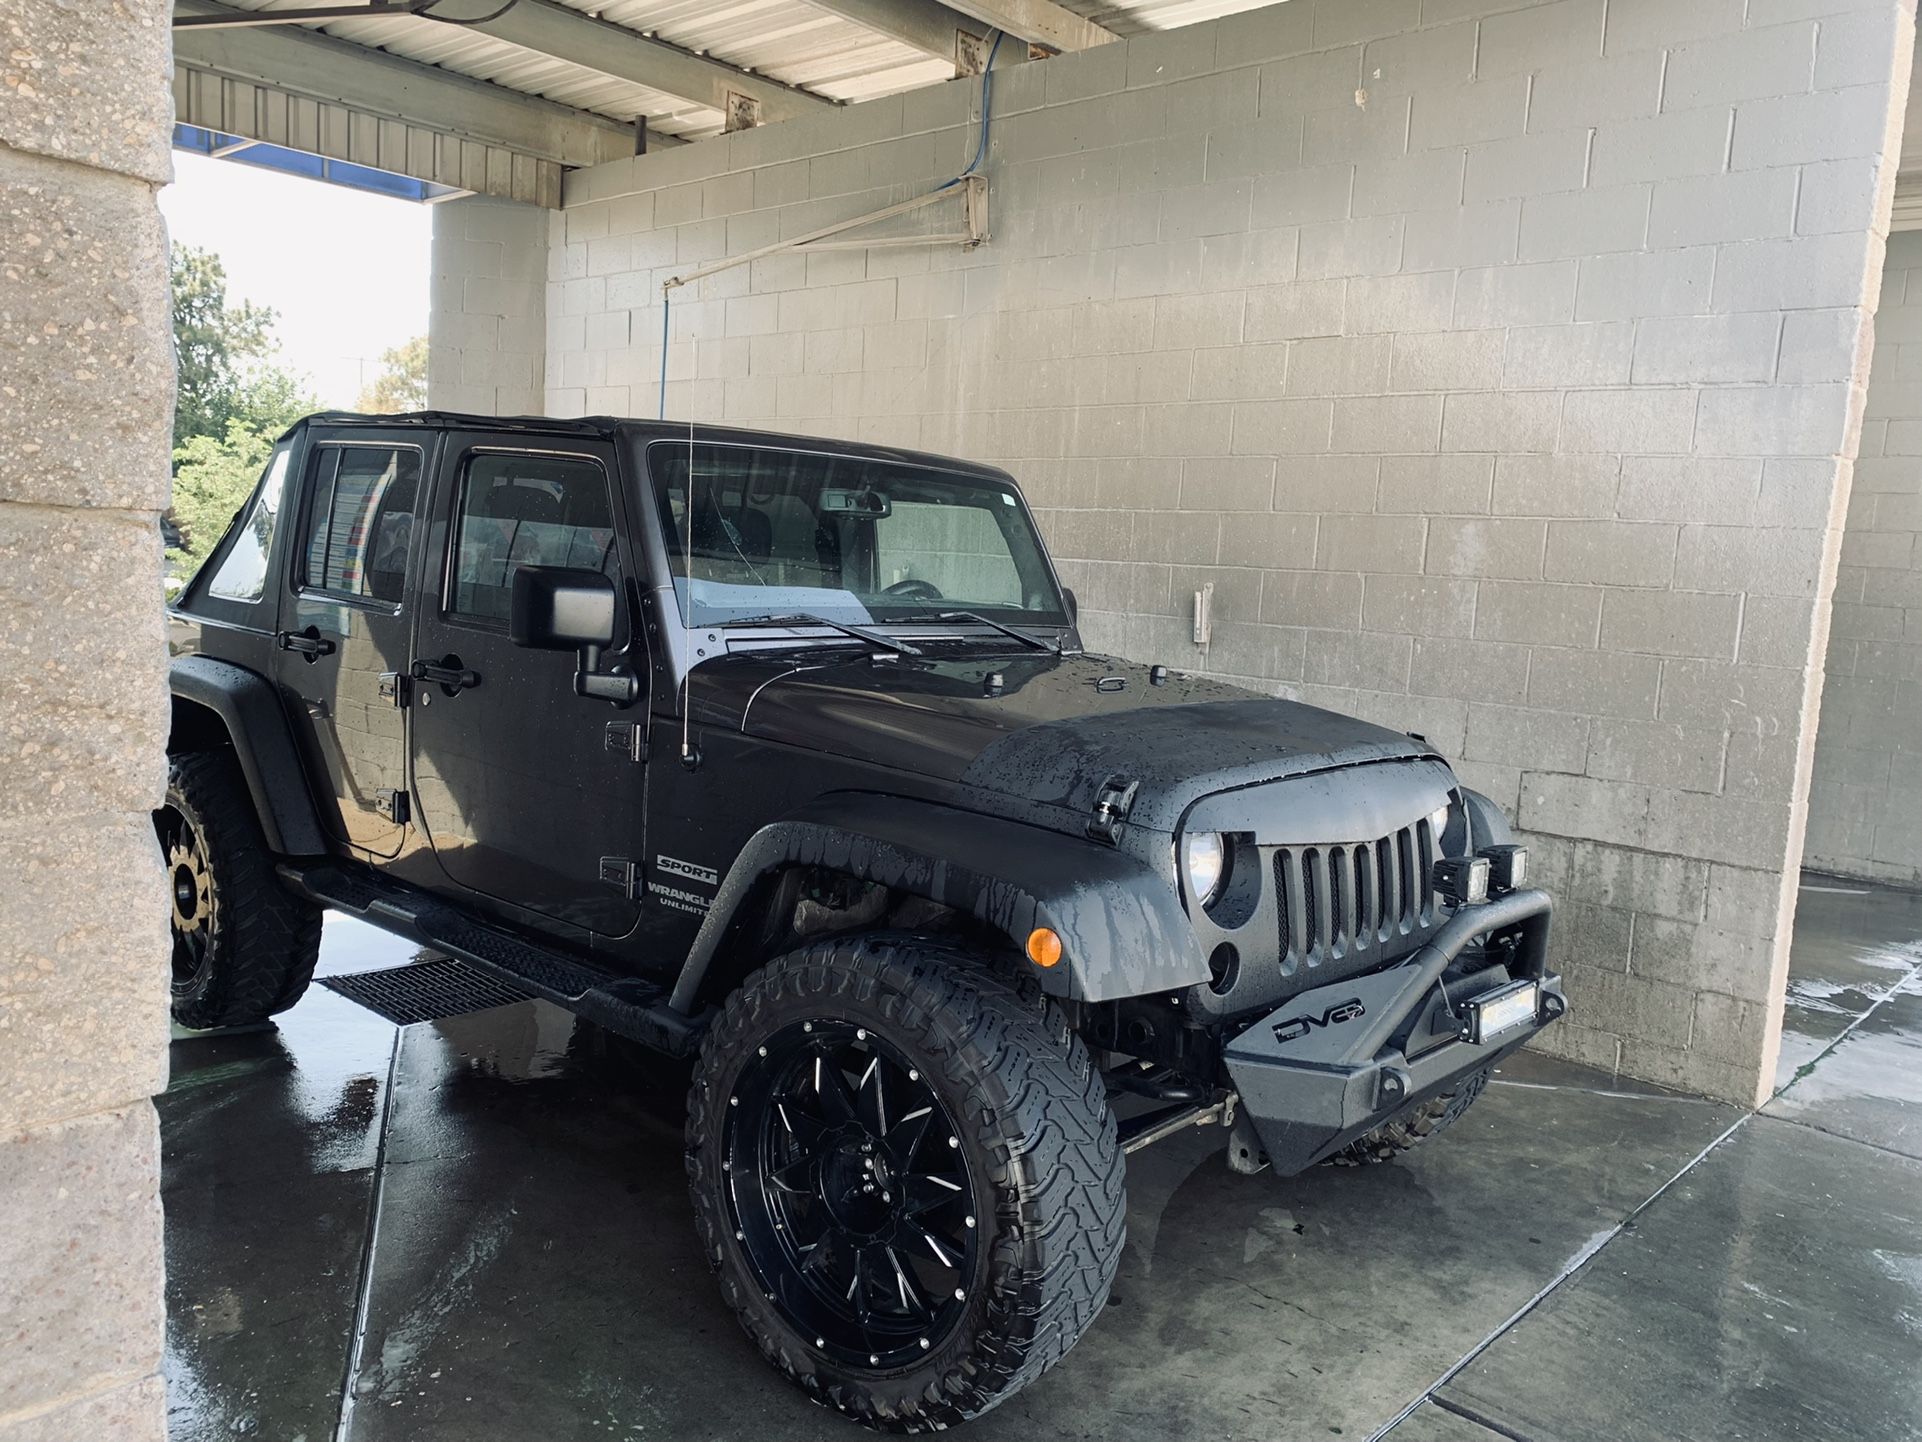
(1112, 803)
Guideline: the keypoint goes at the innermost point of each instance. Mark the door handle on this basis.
(310, 643)
(447, 672)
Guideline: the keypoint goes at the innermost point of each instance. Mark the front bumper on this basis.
(1336, 1062)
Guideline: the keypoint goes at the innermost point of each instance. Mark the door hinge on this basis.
(1112, 803)
(627, 737)
(392, 804)
(393, 688)
(620, 871)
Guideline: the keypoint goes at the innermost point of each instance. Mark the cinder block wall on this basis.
(1865, 805)
(487, 338)
(1500, 365)
(86, 404)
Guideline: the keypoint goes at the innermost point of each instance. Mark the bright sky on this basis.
(347, 271)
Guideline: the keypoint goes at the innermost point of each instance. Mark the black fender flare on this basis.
(263, 743)
(1487, 824)
(1122, 929)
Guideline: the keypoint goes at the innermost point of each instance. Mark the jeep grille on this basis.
(1334, 901)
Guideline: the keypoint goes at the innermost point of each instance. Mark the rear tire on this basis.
(977, 1240)
(1404, 1132)
(244, 945)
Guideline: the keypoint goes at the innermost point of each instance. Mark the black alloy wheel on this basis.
(905, 1175)
(851, 1194)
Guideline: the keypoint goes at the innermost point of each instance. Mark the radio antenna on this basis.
(687, 566)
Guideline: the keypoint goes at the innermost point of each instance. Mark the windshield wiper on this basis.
(1051, 647)
(806, 618)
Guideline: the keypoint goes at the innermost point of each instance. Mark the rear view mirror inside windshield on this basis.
(870, 505)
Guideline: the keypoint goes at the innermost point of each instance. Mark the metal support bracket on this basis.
(971, 190)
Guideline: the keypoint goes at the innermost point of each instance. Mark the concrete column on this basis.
(487, 327)
(86, 400)
(1865, 805)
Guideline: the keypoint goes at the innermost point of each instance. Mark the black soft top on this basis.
(641, 432)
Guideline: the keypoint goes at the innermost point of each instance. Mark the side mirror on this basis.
(1074, 606)
(567, 608)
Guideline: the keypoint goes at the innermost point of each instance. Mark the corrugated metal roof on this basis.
(787, 40)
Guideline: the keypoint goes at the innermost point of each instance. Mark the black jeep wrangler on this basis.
(784, 755)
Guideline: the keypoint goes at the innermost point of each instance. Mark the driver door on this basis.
(530, 794)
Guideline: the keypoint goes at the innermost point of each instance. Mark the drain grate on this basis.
(425, 990)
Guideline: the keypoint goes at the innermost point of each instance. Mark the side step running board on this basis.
(625, 1005)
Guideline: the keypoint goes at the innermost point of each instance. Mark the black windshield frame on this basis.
(731, 477)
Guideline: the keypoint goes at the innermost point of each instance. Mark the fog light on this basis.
(1507, 867)
(1462, 880)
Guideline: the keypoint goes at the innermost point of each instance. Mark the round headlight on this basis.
(1440, 821)
(1204, 858)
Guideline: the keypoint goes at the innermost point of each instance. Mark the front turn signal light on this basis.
(1044, 947)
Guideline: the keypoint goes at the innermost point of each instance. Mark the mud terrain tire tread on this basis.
(266, 939)
(1039, 1127)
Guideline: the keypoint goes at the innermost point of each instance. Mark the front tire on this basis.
(906, 1174)
(244, 946)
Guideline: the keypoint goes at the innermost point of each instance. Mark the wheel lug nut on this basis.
(860, 1033)
(959, 1295)
(924, 1344)
(914, 1076)
(954, 1141)
(970, 1221)
(873, 1361)
(820, 1341)
(807, 1026)
(763, 1051)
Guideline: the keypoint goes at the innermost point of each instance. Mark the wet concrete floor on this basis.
(478, 1229)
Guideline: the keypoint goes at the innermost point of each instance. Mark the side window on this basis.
(959, 549)
(243, 571)
(526, 510)
(361, 523)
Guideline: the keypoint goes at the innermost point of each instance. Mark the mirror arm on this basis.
(619, 686)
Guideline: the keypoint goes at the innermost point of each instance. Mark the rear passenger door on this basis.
(343, 640)
(531, 795)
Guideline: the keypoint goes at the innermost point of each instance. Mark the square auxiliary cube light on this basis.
(1507, 867)
(1462, 880)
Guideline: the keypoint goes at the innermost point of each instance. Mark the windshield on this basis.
(776, 532)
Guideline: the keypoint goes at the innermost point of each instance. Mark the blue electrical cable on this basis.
(987, 102)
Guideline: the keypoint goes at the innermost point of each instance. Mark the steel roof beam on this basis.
(924, 25)
(564, 34)
(1040, 22)
(320, 67)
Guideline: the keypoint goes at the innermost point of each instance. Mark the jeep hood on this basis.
(1051, 735)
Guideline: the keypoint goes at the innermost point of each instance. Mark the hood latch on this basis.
(1112, 803)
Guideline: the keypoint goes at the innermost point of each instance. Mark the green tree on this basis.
(233, 398)
(225, 356)
(401, 384)
(213, 476)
